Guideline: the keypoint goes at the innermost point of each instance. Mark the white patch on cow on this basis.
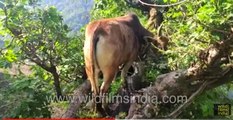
(104, 53)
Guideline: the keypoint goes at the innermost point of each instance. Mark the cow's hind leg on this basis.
(97, 97)
(109, 75)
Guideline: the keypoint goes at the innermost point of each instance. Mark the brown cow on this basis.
(109, 44)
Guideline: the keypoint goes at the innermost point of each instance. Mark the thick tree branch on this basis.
(79, 93)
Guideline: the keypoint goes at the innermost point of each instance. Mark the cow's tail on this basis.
(96, 37)
(93, 48)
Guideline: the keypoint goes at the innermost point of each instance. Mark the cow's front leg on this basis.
(124, 74)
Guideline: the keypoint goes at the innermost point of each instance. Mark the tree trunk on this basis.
(56, 83)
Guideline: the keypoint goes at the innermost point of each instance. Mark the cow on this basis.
(110, 43)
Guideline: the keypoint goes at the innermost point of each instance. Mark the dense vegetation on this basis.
(38, 37)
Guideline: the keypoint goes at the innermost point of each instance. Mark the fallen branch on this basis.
(79, 93)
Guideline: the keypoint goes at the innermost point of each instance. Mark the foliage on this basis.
(112, 8)
(192, 27)
(203, 105)
(25, 97)
(74, 8)
(36, 34)
(39, 35)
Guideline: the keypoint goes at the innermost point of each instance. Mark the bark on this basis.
(80, 92)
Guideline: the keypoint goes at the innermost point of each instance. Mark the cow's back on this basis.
(133, 22)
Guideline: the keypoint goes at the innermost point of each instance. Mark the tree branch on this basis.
(11, 42)
(155, 5)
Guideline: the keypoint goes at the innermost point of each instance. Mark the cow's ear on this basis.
(149, 39)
